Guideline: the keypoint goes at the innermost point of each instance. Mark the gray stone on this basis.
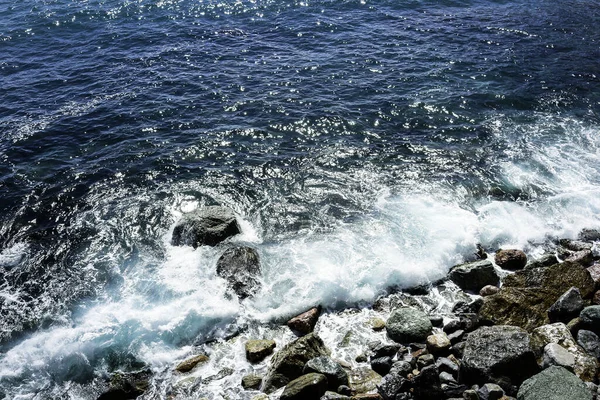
(470, 394)
(567, 307)
(288, 363)
(207, 226)
(127, 385)
(511, 259)
(488, 290)
(391, 385)
(545, 260)
(575, 245)
(445, 377)
(583, 257)
(474, 276)
(590, 318)
(363, 380)
(446, 365)
(330, 395)
(334, 372)
(240, 267)
(407, 324)
(257, 350)
(383, 350)
(309, 386)
(427, 385)
(497, 353)
(589, 235)
(402, 368)
(438, 343)
(490, 391)
(555, 354)
(456, 336)
(425, 360)
(589, 341)
(554, 383)
(585, 365)
(382, 365)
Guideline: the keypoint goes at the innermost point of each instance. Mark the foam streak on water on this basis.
(366, 146)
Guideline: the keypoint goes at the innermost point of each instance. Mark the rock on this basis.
(452, 326)
(382, 365)
(257, 350)
(590, 318)
(240, 267)
(554, 383)
(377, 324)
(474, 276)
(589, 235)
(407, 324)
(207, 226)
(546, 260)
(575, 245)
(382, 350)
(345, 390)
(555, 354)
(470, 394)
(190, 363)
(438, 343)
(436, 321)
(425, 360)
(456, 336)
(589, 341)
(585, 365)
(333, 371)
(427, 385)
(458, 349)
(461, 308)
(305, 322)
(127, 385)
(402, 368)
(446, 377)
(330, 395)
(527, 294)
(288, 363)
(223, 373)
(444, 364)
(583, 257)
(309, 386)
(490, 391)
(497, 353)
(596, 298)
(511, 259)
(391, 385)
(367, 396)
(251, 382)
(363, 380)
(488, 290)
(594, 271)
(567, 307)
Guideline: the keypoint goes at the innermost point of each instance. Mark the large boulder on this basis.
(526, 295)
(474, 276)
(510, 259)
(408, 324)
(584, 366)
(554, 383)
(207, 226)
(499, 354)
(288, 363)
(334, 372)
(240, 267)
(309, 386)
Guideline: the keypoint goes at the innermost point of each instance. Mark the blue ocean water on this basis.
(363, 144)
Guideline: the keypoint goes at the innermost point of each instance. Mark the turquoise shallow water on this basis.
(363, 145)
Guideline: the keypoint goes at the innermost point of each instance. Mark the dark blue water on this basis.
(363, 144)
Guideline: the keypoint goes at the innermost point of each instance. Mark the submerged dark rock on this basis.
(474, 276)
(124, 386)
(207, 226)
(240, 266)
(336, 376)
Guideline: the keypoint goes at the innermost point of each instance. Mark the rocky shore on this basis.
(500, 327)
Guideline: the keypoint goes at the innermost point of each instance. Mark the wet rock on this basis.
(427, 385)
(223, 373)
(207, 226)
(438, 343)
(545, 260)
(444, 364)
(456, 336)
(345, 390)
(490, 391)
(510, 259)
(382, 350)
(190, 363)
(589, 341)
(288, 363)
(335, 374)
(590, 318)
(488, 290)
(446, 377)
(425, 360)
(575, 245)
(452, 326)
(382, 365)
(363, 380)
(124, 386)
(367, 396)
(391, 385)
(240, 267)
(402, 368)
(594, 271)
(470, 394)
(497, 353)
(589, 235)
(555, 354)
(257, 350)
(554, 383)
(251, 382)
(474, 276)
(567, 307)
(377, 324)
(305, 387)
(305, 322)
(585, 365)
(583, 257)
(407, 324)
(436, 321)
(330, 395)
(527, 294)
(462, 307)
